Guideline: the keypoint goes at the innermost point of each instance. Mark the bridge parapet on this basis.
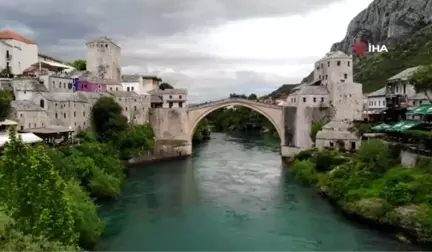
(230, 100)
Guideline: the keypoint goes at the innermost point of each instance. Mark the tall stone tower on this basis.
(335, 71)
(103, 59)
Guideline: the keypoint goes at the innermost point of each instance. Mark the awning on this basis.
(421, 110)
(26, 137)
(404, 125)
(382, 126)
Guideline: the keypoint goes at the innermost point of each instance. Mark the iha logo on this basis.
(362, 47)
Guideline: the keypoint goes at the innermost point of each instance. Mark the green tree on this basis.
(87, 222)
(135, 141)
(252, 97)
(33, 193)
(422, 81)
(79, 64)
(5, 104)
(107, 119)
(165, 85)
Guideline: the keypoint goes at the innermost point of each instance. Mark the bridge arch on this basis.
(273, 113)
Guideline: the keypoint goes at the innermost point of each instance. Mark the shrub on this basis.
(103, 185)
(375, 153)
(305, 170)
(325, 160)
(315, 128)
(398, 194)
(87, 222)
(305, 154)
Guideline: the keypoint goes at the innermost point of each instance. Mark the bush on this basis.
(375, 153)
(305, 170)
(87, 222)
(398, 194)
(325, 160)
(135, 141)
(103, 185)
(17, 241)
(305, 154)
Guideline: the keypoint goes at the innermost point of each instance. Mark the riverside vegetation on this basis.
(372, 185)
(241, 119)
(48, 195)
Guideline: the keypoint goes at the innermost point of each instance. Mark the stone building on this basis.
(103, 59)
(333, 88)
(169, 98)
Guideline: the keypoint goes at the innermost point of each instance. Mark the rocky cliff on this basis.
(386, 21)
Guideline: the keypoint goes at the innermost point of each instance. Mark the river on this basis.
(233, 194)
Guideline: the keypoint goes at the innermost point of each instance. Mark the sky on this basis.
(211, 47)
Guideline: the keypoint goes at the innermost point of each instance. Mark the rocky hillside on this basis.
(405, 26)
(282, 90)
(386, 21)
(372, 70)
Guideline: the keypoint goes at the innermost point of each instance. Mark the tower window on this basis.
(314, 99)
(349, 63)
(304, 99)
(338, 63)
(322, 99)
(328, 63)
(346, 76)
(42, 103)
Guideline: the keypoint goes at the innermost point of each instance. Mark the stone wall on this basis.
(410, 159)
(305, 117)
(290, 115)
(170, 127)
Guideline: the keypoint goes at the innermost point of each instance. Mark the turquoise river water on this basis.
(233, 194)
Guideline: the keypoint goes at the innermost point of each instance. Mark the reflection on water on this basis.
(233, 194)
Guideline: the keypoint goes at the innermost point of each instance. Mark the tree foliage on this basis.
(240, 119)
(373, 185)
(165, 85)
(33, 193)
(422, 80)
(79, 64)
(107, 119)
(6, 98)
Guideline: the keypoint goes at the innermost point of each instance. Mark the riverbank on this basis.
(373, 188)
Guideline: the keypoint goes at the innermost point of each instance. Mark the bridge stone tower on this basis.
(168, 117)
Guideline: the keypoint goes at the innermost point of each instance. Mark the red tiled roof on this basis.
(15, 36)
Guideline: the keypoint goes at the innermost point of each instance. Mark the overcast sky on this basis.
(210, 47)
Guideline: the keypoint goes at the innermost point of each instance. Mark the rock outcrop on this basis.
(386, 21)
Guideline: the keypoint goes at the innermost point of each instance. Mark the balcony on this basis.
(397, 101)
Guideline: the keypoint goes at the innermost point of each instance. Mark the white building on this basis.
(399, 85)
(376, 101)
(17, 53)
(140, 84)
(103, 59)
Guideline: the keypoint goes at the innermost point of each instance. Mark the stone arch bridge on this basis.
(274, 113)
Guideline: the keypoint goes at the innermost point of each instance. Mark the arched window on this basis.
(42, 103)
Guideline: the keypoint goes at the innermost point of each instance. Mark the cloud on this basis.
(212, 47)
